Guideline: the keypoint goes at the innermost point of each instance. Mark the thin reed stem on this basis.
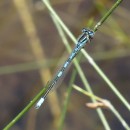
(103, 19)
(67, 99)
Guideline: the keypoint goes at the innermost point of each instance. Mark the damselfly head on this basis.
(89, 32)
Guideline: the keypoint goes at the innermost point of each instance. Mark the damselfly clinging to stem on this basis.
(85, 37)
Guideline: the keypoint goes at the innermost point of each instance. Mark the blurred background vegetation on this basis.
(32, 51)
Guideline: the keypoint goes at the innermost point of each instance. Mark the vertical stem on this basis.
(66, 102)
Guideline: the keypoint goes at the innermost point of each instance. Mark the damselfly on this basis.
(85, 37)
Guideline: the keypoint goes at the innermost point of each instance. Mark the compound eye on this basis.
(84, 30)
(91, 34)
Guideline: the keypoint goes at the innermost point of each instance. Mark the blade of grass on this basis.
(86, 93)
(22, 67)
(67, 99)
(108, 104)
(119, 117)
